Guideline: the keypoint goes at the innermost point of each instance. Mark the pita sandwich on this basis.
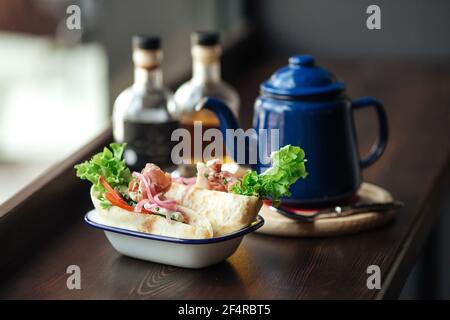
(214, 203)
(196, 226)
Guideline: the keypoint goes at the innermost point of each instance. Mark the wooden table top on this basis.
(415, 169)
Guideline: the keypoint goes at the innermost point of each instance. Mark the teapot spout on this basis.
(227, 120)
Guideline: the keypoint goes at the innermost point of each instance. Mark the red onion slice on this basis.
(153, 200)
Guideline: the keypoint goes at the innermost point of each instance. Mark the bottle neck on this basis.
(206, 72)
(147, 69)
(206, 63)
(148, 78)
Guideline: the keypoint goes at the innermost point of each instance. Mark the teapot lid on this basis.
(302, 77)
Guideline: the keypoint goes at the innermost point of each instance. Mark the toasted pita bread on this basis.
(199, 227)
(227, 212)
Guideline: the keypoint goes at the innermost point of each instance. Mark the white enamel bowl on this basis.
(186, 253)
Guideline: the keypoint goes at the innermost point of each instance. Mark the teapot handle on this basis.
(380, 145)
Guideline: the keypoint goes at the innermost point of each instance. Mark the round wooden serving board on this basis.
(276, 224)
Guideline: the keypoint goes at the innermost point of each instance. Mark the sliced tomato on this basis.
(110, 189)
(118, 202)
(114, 197)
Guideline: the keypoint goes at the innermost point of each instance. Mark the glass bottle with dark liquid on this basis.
(141, 117)
(206, 81)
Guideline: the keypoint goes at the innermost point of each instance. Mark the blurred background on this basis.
(57, 85)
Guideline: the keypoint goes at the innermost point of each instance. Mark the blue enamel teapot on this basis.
(310, 109)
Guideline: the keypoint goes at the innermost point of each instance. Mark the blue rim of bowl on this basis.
(255, 225)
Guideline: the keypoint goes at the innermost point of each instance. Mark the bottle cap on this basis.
(205, 38)
(146, 51)
(146, 42)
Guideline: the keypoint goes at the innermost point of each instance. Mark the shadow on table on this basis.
(138, 279)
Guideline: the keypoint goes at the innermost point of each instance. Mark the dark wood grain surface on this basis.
(415, 168)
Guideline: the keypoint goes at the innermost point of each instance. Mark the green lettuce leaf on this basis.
(288, 165)
(111, 166)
